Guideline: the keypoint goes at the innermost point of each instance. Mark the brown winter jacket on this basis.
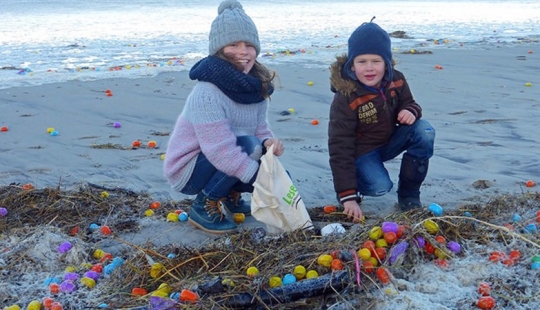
(361, 121)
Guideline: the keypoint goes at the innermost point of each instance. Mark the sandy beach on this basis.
(482, 110)
(483, 103)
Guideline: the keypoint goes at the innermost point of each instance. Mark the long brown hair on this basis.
(259, 71)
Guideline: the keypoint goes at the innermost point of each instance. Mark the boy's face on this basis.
(369, 69)
(241, 54)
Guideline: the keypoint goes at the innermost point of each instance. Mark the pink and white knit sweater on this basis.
(210, 123)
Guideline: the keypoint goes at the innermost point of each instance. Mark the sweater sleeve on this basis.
(263, 131)
(217, 140)
(341, 147)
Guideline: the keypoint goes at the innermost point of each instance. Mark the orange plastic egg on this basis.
(384, 275)
(390, 237)
(380, 253)
(484, 289)
(152, 144)
(315, 122)
(486, 302)
(138, 291)
(156, 204)
(440, 239)
(54, 288)
(106, 230)
(27, 186)
(47, 302)
(56, 306)
(329, 209)
(189, 296)
(4, 128)
(430, 249)
(336, 264)
(368, 267)
(497, 256)
(136, 143)
(530, 183)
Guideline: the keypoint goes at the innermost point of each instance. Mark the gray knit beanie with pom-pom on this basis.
(232, 25)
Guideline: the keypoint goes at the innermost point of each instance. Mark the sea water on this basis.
(46, 41)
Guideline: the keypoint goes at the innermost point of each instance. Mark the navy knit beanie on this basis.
(232, 25)
(369, 38)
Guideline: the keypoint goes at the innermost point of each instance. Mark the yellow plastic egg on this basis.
(50, 129)
(364, 254)
(104, 194)
(310, 83)
(13, 307)
(34, 305)
(528, 84)
(381, 243)
(172, 217)
(291, 110)
(98, 254)
(325, 260)
(374, 261)
(149, 212)
(164, 287)
(299, 272)
(159, 294)
(239, 218)
(252, 271)
(162, 157)
(312, 274)
(88, 282)
(376, 233)
(440, 254)
(70, 269)
(228, 282)
(275, 281)
(156, 270)
(431, 226)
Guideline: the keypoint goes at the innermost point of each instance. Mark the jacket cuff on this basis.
(347, 195)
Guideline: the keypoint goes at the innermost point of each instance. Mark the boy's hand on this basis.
(352, 210)
(405, 117)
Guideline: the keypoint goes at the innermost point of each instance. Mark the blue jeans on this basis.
(372, 177)
(216, 184)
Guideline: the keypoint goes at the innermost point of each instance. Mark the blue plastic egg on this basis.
(288, 279)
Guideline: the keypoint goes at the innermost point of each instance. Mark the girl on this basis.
(222, 132)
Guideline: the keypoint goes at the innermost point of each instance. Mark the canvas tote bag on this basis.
(275, 200)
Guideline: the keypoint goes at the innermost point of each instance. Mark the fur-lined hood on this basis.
(339, 82)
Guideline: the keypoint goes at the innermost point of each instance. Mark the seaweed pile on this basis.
(38, 220)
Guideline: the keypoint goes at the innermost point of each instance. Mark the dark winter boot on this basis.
(412, 174)
(206, 215)
(235, 204)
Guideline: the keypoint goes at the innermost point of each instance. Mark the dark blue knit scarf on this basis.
(240, 87)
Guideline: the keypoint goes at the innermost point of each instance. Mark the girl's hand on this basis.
(405, 117)
(278, 145)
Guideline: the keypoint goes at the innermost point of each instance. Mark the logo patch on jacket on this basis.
(367, 113)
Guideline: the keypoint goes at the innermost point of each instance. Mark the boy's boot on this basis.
(412, 174)
(235, 204)
(206, 215)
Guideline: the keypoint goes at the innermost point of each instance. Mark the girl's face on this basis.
(241, 54)
(369, 69)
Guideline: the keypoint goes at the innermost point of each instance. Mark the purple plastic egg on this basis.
(3, 211)
(390, 227)
(71, 276)
(64, 247)
(68, 287)
(92, 275)
(397, 251)
(419, 241)
(454, 247)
